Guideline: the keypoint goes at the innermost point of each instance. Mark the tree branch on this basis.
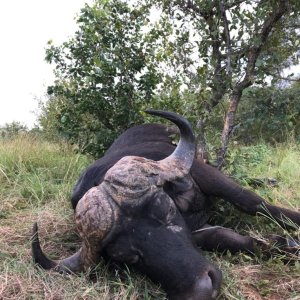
(202, 151)
(262, 36)
(233, 4)
(227, 38)
(278, 76)
(287, 78)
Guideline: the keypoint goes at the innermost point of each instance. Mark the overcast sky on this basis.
(25, 28)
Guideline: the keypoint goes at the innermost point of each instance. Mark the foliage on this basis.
(270, 113)
(219, 48)
(49, 118)
(203, 57)
(12, 129)
(193, 57)
(103, 76)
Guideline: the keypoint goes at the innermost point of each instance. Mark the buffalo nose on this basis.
(207, 285)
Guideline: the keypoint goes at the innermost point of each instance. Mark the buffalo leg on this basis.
(217, 238)
(213, 183)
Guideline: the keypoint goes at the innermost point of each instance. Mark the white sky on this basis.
(25, 28)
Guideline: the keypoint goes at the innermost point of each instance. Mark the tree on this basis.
(223, 47)
(195, 57)
(102, 76)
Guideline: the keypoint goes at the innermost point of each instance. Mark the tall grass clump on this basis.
(34, 171)
(276, 167)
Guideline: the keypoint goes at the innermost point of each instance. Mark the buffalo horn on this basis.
(183, 156)
(68, 265)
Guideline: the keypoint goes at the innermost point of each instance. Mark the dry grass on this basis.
(35, 180)
(258, 283)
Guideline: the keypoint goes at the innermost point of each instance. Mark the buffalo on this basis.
(147, 202)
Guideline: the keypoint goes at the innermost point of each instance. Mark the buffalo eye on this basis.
(123, 251)
(162, 209)
(125, 258)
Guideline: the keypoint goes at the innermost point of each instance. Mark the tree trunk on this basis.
(202, 151)
(228, 126)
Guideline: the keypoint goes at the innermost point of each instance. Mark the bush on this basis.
(10, 130)
(271, 114)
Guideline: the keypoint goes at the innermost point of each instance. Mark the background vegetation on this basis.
(199, 58)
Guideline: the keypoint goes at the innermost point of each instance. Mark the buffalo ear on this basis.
(182, 191)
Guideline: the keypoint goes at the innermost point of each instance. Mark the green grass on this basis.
(262, 161)
(36, 178)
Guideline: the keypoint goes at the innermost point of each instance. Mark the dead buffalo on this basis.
(146, 203)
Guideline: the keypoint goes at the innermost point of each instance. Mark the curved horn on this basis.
(67, 265)
(95, 219)
(184, 154)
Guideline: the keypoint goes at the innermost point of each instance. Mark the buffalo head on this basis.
(131, 219)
